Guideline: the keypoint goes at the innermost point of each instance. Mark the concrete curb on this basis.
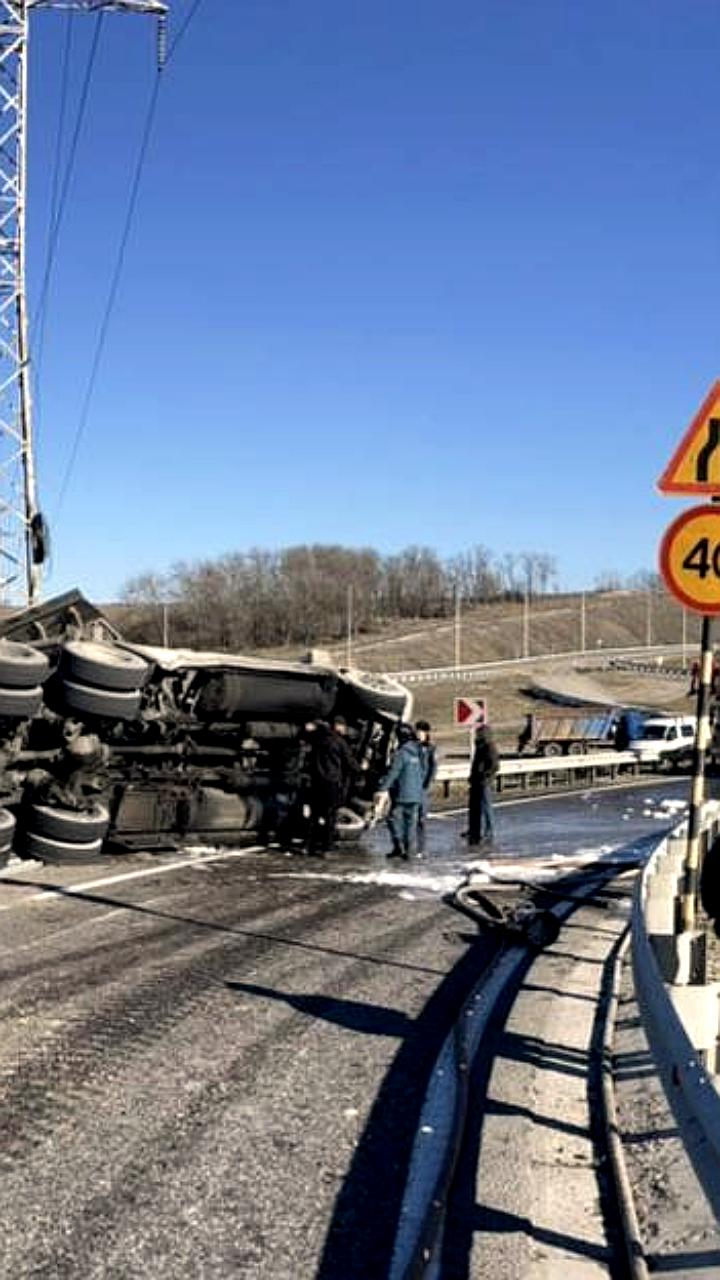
(689, 1087)
(632, 1240)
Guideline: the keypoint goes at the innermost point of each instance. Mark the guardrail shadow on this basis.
(369, 1019)
(362, 1231)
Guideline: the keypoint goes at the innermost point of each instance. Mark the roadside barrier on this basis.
(469, 670)
(680, 1009)
(544, 770)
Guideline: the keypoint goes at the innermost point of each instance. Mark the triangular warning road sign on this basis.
(695, 464)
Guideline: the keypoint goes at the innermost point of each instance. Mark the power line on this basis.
(183, 29)
(55, 189)
(112, 294)
(55, 227)
(120, 260)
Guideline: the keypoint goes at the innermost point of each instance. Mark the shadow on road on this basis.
(371, 1019)
(364, 1224)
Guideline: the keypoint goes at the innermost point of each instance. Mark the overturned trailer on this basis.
(107, 742)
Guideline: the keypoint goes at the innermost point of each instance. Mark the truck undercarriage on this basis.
(104, 742)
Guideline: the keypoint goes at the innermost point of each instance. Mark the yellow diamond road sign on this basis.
(695, 466)
(690, 559)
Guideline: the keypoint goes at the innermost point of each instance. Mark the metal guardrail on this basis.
(527, 768)
(689, 1087)
(467, 671)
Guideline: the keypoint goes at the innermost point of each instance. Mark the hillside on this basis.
(555, 625)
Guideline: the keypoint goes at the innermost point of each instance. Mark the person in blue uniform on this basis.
(405, 785)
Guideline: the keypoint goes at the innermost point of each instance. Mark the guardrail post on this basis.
(698, 1007)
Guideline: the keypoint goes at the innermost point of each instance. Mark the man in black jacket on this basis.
(331, 766)
(483, 769)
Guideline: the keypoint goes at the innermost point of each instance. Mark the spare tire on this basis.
(113, 704)
(20, 704)
(72, 825)
(21, 666)
(47, 849)
(103, 665)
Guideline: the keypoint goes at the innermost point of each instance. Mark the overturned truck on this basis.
(108, 743)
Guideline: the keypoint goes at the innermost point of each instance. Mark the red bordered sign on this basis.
(690, 559)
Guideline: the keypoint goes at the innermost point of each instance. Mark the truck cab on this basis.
(665, 738)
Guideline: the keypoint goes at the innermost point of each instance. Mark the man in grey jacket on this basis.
(405, 783)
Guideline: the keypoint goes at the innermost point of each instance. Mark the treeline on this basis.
(304, 595)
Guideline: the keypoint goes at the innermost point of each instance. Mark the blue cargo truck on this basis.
(571, 732)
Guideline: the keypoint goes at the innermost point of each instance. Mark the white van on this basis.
(670, 738)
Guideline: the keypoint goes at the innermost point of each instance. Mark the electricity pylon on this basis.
(23, 532)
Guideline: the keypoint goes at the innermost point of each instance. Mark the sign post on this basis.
(690, 566)
(470, 713)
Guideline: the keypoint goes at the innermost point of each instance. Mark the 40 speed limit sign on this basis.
(690, 559)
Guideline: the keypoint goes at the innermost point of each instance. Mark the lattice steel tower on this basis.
(23, 534)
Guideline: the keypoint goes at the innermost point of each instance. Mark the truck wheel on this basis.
(72, 825)
(7, 834)
(20, 704)
(21, 666)
(576, 749)
(93, 663)
(552, 749)
(47, 849)
(113, 704)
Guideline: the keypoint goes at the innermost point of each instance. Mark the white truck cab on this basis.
(665, 738)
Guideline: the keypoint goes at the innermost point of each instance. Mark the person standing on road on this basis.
(279, 817)
(331, 766)
(483, 769)
(404, 783)
(423, 729)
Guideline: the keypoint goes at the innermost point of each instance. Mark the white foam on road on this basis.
(419, 878)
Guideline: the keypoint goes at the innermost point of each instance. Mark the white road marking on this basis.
(69, 891)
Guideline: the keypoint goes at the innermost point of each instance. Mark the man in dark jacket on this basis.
(404, 783)
(423, 730)
(483, 769)
(331, 766)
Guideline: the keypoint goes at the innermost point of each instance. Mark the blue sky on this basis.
(438, 273)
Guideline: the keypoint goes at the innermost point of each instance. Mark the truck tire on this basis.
(20, 704)
(112, 704)
(47, 849)
(576, 749)
(7, 834)
(103, 666)
(70, 825)
(552, 750)
(21, 666)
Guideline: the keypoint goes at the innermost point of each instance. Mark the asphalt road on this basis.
(217, 1070)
